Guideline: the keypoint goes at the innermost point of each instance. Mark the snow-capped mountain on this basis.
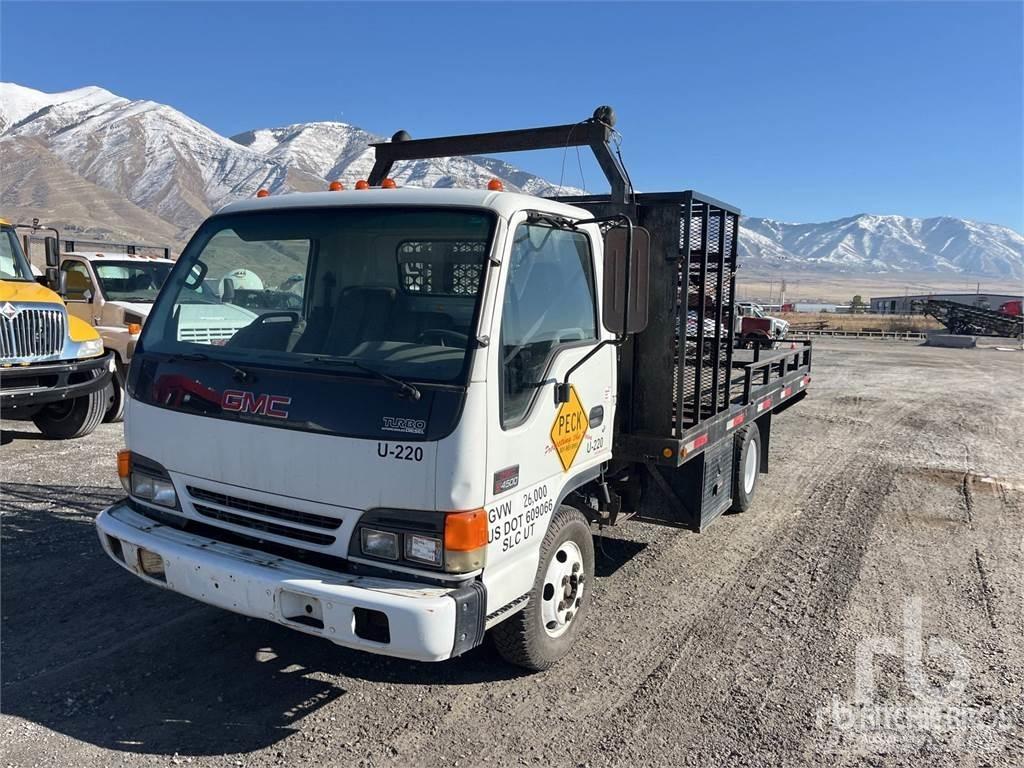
(90, 160)
(886, 244)
(168, 164)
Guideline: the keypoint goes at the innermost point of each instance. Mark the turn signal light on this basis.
(465, 541)
(262, 193)
(124, 463)
(362, 184)
(134, 329)
(388, 184)
(464, 531)
(335, 186)
(495, 185)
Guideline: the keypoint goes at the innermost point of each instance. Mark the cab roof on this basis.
(504, 203)
(104, 256)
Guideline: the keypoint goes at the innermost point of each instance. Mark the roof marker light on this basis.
(335, 186)
(388, 184)
(362, 184)
(495, 185)
(262, 193)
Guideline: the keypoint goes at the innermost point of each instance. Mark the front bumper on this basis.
(425, 623)
(42, 383)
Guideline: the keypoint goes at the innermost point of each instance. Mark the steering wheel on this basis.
(443, 334)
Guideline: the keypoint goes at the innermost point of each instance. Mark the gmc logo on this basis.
(237, 401)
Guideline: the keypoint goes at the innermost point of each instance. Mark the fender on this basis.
(515, 578)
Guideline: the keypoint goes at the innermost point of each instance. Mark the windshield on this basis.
(137, 281)
(355, 292)
(13, 265)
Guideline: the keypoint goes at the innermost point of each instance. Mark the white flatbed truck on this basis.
(418, 452)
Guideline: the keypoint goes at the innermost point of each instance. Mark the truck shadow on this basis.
(90, 652)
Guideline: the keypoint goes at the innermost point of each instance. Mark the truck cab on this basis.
(53, 369)
(415, 451)
(115, 291)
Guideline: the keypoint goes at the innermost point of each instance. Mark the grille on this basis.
(239, 507)
(263, 525)
(33, 332)
(206, 335)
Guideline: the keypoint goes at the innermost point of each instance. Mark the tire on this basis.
(523, 639)
(746, 467)
(115, 394)
(74, 418)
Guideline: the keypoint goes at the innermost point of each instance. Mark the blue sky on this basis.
(802, 112)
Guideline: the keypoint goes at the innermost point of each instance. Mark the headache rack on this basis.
(682, 386)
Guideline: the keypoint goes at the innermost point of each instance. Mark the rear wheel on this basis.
(72, 418)
(115, 395)
(746, 467)
(542, 633)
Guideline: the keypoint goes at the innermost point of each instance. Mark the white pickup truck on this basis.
(754, 324)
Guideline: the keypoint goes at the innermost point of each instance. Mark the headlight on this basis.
(90, 348)
(423, 549)
(455, 542)
(380, 544)
(145, 479)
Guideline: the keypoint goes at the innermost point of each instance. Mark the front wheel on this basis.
(72, 418)
(115, 395)
(542, 633)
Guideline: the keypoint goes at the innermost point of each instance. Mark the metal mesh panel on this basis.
(704, 311)
(441, 267)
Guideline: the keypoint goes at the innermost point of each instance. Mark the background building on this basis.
(903, 305)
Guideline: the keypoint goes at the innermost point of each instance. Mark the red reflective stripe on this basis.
(700, 442)
(786, 392)
(735, 421)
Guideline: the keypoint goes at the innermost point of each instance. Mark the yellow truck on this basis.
(53, 369)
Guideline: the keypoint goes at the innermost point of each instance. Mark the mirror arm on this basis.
(562, 388)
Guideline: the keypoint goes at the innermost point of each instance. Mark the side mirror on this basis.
(616, 316)
(52, 280)
(228, 295)
(52, 251)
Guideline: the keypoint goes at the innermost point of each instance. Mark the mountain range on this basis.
(90, 161)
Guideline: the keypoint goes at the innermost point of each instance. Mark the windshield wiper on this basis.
(404, 386)
(135, 298)
(241, 374)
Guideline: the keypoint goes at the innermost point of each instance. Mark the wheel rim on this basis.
(562, 593)
(750, 469)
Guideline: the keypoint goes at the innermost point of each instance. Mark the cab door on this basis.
(536, 447)
(80, 290)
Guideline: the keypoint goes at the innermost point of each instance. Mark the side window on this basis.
(549, 303)
(78, 281)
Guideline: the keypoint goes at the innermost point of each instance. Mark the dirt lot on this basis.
(869, 609)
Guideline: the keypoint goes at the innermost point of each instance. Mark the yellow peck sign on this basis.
(569, 428)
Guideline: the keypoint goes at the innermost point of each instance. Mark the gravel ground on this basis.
(868, 610)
